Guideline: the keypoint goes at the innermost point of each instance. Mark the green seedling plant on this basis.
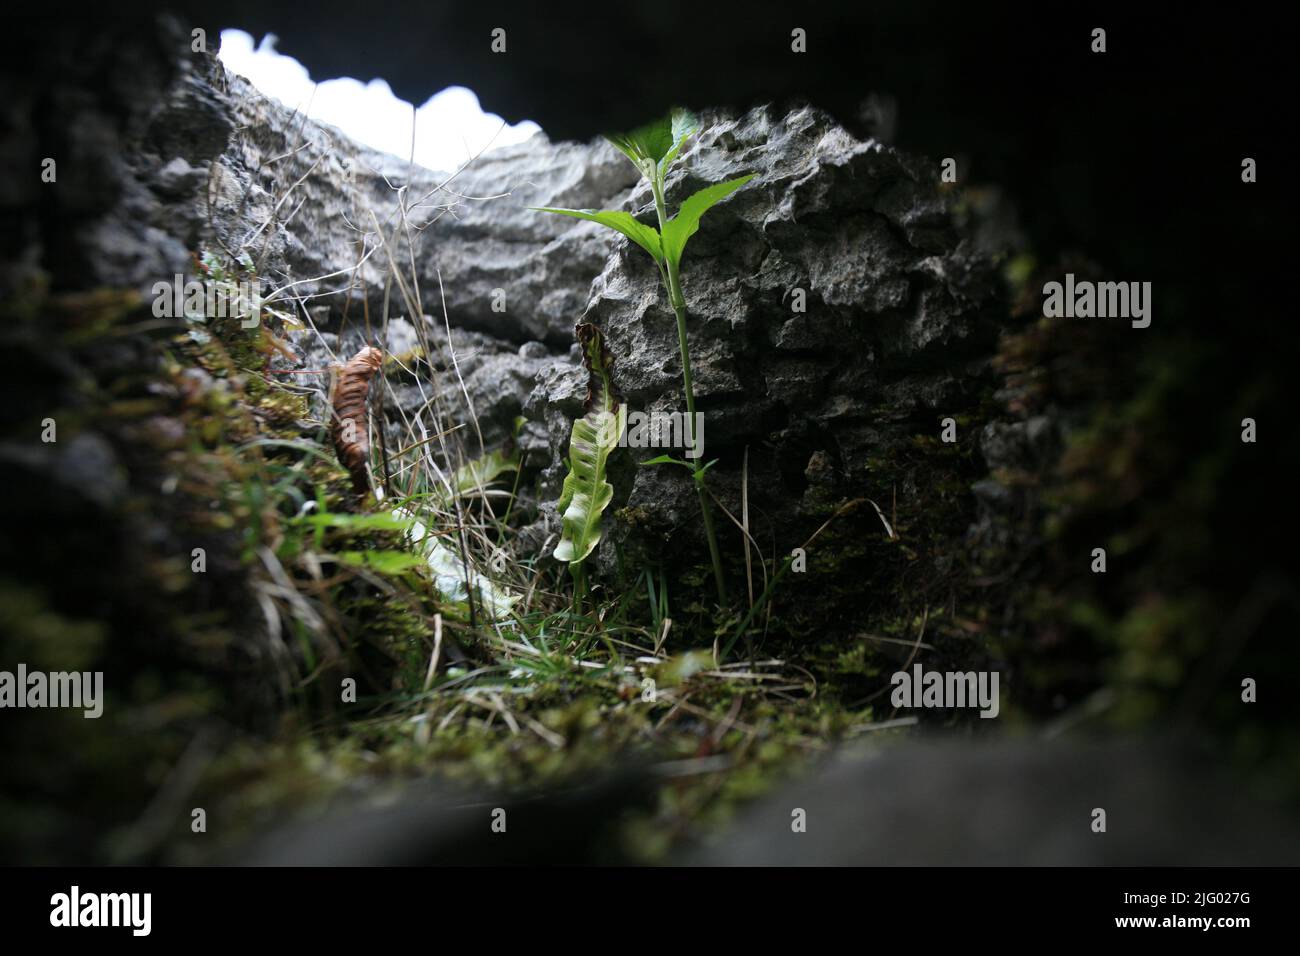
(653, 149)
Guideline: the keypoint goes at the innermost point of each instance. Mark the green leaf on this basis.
(647, 237)
(383, 562)
(655, 145)
(683, 225)
(683, 667)
(665, 460)
(453, 578)
(703, 469)
(586, 492)
(479, 473)
(683, 125)
(381, 521)
(645, 143)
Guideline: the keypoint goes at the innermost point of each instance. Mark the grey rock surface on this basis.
(306, 203)
(899, 311)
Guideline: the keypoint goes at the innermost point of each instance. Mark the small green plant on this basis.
(653, 149)
(586, 492)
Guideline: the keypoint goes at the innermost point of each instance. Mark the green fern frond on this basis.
(587, 493)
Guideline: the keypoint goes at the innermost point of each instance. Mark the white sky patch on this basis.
(449, 128)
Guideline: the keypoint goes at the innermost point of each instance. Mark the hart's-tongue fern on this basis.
(586, 492)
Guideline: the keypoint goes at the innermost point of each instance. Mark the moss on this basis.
(590, 728)
(109, 585)
(1151, 444)
(635, 517)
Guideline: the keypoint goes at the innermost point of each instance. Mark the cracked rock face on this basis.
(837, 307)
(468, 236)
(511, 282)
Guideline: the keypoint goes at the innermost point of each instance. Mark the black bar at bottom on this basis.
(335, 906)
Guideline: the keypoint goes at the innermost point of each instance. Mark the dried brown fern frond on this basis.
(350, 426)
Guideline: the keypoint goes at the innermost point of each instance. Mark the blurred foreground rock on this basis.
(956, 802)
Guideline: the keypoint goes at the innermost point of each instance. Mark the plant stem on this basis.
(579, 586)
(679, 308)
